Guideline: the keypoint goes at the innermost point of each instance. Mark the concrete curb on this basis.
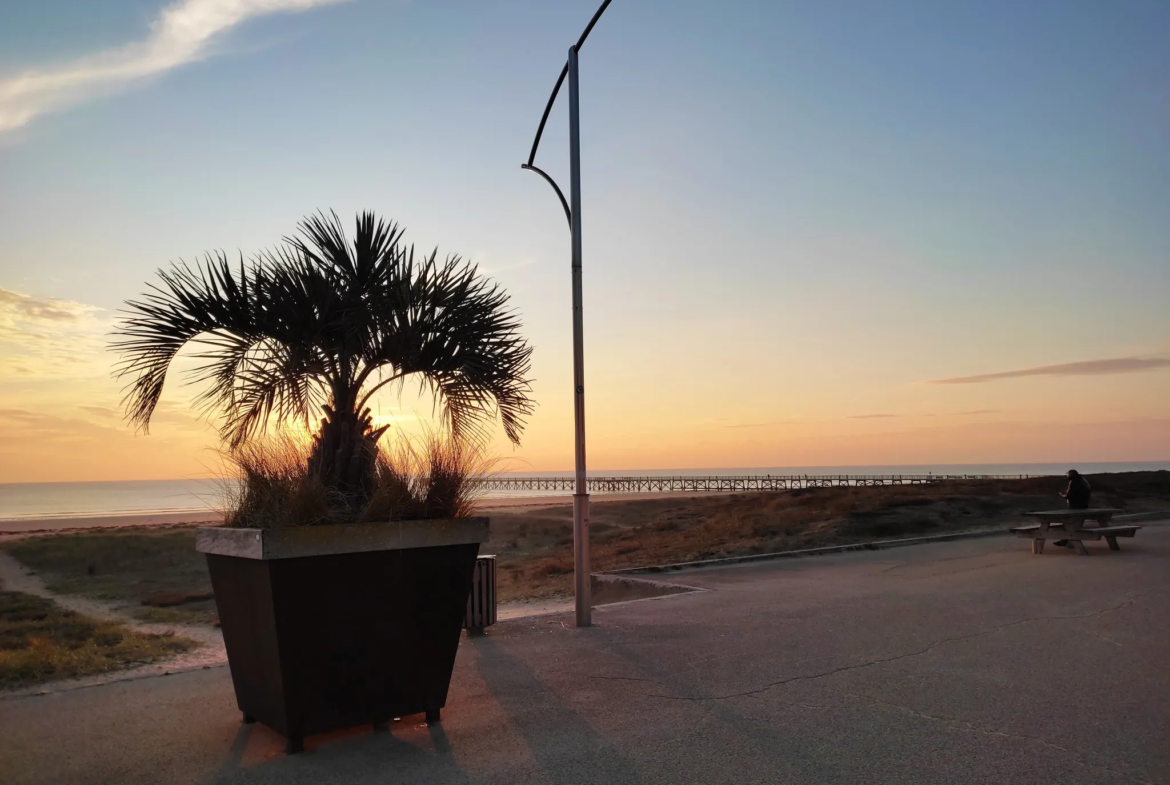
(1136, 517)
(828, 549)
(151, 671)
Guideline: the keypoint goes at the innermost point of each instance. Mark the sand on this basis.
(26, 526)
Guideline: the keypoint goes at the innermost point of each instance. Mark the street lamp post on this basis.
(581, 571)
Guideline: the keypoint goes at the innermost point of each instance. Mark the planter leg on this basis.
(294, 745)
(248, 719)
(475, 632)
(432, 716)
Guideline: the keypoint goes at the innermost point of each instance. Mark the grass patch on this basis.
(40, 640)
(534, 547)
(158, 574)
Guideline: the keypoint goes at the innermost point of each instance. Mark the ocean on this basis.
(77, 499)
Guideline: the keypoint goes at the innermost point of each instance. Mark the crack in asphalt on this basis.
(910, 563)
(965, 725)
(919, 653)
(946, 573)
(1104, 638)
(611, 678)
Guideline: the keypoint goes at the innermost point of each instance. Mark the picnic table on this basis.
(1070, 525)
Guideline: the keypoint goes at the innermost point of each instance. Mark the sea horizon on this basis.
(23, 501)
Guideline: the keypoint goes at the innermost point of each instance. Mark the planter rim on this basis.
(302, 541)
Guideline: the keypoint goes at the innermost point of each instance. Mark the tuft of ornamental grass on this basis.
(275, 488)
(433, 477)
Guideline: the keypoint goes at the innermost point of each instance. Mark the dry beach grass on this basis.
(40, 640)
(535, 546)
(154, 573)
(158, 574)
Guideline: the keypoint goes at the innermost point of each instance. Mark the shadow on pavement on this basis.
(781, 751)
(358, 756)
(567, 748)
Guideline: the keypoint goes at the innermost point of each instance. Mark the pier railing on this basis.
(726, 484)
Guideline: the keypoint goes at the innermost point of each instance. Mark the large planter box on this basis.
(329, 627)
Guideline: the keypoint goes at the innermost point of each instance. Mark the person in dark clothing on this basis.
(1078, 491)
(1077, 494)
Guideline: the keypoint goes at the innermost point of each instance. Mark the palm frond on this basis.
(322, 322)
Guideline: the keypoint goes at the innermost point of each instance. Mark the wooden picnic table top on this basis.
(1068, 526)
(1088, 513)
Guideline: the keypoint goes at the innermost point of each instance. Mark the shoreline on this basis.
(61, 523)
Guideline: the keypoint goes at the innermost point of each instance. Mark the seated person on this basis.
(1077, 494)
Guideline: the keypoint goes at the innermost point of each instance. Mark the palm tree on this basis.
(321, 324)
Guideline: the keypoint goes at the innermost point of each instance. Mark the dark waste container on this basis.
(481, 603)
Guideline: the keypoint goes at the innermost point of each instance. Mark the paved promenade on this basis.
(962, 662)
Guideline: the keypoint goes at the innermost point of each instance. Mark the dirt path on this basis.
(210, 653)
(14, 576)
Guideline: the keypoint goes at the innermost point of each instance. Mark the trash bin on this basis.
(481, 603)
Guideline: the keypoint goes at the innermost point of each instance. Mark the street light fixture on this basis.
(581, 572)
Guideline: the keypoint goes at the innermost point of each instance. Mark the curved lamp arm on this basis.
(548, 108)
(557, 188)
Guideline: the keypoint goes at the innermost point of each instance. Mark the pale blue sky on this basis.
(792, 210)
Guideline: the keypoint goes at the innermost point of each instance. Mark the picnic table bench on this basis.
(1070, 525)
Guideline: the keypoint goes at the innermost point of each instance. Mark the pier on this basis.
(724, 484)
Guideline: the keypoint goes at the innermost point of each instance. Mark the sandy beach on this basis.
(26, 526)
(23, 526)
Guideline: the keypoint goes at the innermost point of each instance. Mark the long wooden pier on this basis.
(661, 484)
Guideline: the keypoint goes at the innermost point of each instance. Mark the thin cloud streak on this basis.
(869, 416)
(1086, 368)
(46, 337)
(17, 305)
(757, 424)
(182, 33)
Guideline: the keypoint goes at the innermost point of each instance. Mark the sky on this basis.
(834, 233)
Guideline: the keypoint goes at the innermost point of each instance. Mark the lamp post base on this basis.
(582, 585)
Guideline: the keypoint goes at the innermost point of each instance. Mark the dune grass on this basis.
(534, 548)
(159, 574)
(156, 575)
(40, 641)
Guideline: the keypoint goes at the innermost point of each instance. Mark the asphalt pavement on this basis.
(961, 662)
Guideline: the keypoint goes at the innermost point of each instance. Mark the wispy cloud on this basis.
(182, 33)
(102, 411)
(50, 337)
(1086, 368)
(14, 305)
(757, 424)
(869, 416)
(976, 411)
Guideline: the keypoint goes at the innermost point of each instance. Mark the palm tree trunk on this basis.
(344, 457)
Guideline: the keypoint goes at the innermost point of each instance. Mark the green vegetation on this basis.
(157, 573)
(40, 640)
(318, 326)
